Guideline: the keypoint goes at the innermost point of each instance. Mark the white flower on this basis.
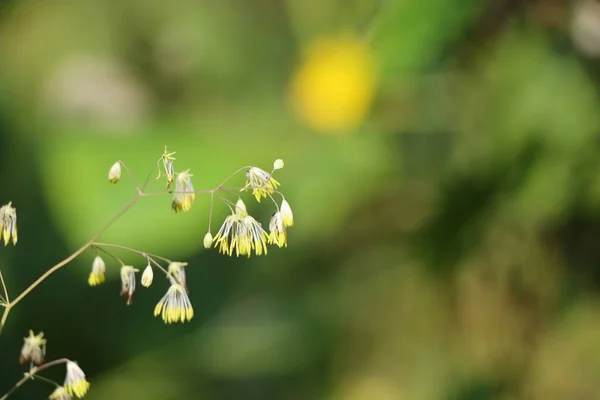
(183, 196)
(128, 282)
(147, 276)
(114, 174)
(277, 231)
(241, 233)
(175, 306)
(286, 213)
(60, 393)
(75, 382)
(278, 164)
(261, 183)
(8, 223)
(98, 269)
(34, 349)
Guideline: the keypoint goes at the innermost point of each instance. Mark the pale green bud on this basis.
(208, 238)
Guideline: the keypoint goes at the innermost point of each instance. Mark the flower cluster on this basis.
(75, 383)
(240, 234)
(175, 306)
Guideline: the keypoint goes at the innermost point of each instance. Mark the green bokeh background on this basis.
(445, 248)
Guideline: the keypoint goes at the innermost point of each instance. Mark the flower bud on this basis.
(115, 173)
(286, 213)
(278, 164)
(147, 276)
(208, 239)
(240, 208)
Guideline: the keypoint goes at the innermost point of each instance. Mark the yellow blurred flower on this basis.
(333, 90)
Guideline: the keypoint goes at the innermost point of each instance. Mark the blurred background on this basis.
(442, 161)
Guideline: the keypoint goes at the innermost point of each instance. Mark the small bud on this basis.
(278, 164)
(240, 208)
(286, 214)
(208, 239)
(115, 173)
(147, 276)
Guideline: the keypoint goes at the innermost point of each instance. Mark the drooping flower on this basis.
(34, 349)
(8, 223)
(128, 282)
(277, 231)
(97, 274)
(147, 276)
(175, 306)
(114, 174)
(261, 183)
(177, 271)
(241, 233)
(286, 214)
(60, 393)
(183, 196)
(75, 382)
(256, 236)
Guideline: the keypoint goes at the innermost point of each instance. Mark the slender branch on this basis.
(109, 253)
(148, 256)
(210, 211)
(137, 187)
(142, 253)
(232, 175)
(177, 192)
(30, 375)
(153, 261)
(75, 254)
(20, 383)
(4, 316)
(44, 379)
(5, 289)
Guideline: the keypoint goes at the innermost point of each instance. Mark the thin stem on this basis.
(177, 192)
(147, 256)
(212, 200)
(17, 385)
(142, 253)
(137, 187)
(148, 180)
(153, 261)
(231, 176)
(75, 254)
(29, 375)
(109, 253)
(44, 379)
(4, 316)
(225, 200)
(274, 202)
(4, 288)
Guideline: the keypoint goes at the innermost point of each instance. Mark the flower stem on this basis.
(30, 375)
(75, 254)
